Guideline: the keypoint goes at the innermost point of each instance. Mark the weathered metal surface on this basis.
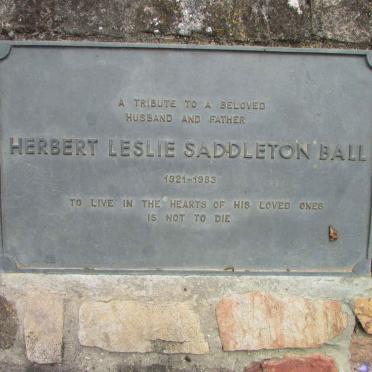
(124, 157)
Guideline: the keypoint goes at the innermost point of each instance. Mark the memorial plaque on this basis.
(185, 158)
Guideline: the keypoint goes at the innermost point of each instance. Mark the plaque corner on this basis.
(362, 267)
(369, 59)
(5, 49)
(7, 264)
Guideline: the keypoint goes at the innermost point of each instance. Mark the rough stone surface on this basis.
(265, 321)
(258, 21)
(275, 22)
(8, 323)
(314, 363)
(363, 311)
(48, 368)
(166, 368)
(343, 20)
(202, 292)
(130, 326)
(360, 350)
(254, 367)
(43, 327)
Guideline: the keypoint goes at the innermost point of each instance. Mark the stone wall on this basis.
(184, 323)
(328, 23)
(187, 323)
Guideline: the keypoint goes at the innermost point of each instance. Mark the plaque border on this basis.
(8, 264)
